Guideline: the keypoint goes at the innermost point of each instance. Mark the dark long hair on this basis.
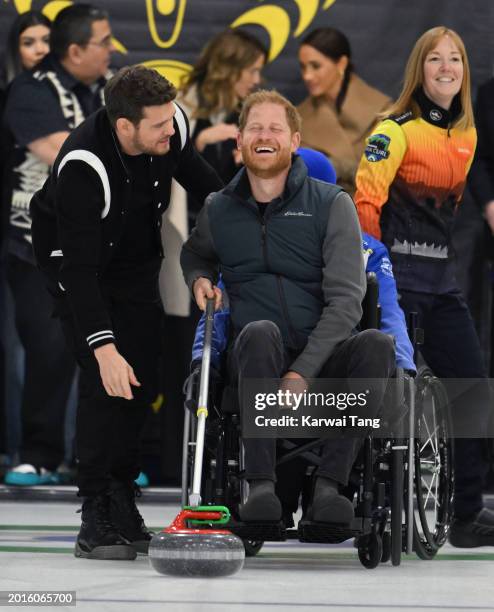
(13, 64)
(333, 44)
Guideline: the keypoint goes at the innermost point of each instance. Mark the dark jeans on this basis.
(108, 428)
(258, 353)
(451, 349)
(49, 367)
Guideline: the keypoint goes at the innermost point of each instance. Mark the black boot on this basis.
(328, 506)
(126, 516)
(98, 537)
(262, 503)
(473, 532)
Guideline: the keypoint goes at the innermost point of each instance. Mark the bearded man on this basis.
(289, 251)
(96, 237)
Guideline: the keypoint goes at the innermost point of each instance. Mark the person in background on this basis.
(28, 41)
(227, 71)
(409, 184)
(27, 44)
(42, 107)
(481, 177)
(341, 108)
(481, 184)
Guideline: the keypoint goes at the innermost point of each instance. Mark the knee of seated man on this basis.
(379, 345)
(262, 332)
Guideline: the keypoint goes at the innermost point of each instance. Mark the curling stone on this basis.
(182, 551)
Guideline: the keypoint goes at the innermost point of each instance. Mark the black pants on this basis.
(49, 367)
(258, 353)
(108, 428)
(451, 349)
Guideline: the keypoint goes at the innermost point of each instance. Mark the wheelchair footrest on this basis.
(328, 533)
(270, 531)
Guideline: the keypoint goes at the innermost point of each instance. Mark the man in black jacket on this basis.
(289, 251)
(96, 236)
(43, 106)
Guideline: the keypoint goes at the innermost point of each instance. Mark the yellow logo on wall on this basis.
(274, 19)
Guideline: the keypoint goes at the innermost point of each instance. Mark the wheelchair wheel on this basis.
(433, 466)
(370, 550)
(252, 547)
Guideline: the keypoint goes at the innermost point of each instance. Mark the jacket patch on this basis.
(435, 115)
(294, 213)
(401, 119)
(377, 147)
(386, 267)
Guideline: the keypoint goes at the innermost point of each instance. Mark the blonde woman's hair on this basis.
(414, 77)
(218, 69)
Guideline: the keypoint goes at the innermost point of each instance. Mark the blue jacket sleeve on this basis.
(392, 317)
(220, 335)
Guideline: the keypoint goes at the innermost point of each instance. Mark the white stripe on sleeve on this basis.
(97, 165)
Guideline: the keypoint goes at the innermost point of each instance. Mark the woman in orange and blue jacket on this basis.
(409, 183)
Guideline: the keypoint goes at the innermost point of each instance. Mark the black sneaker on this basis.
(479, 531)
(328, 504)
(127, 518)
(262, 503)
(98, 537)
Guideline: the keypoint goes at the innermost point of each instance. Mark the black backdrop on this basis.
(382, 32)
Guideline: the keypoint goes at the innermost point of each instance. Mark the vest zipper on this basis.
(281, 293)
(263, 243)
(284, 309)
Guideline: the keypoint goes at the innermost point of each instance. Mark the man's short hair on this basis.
(74, 25)
(264, 96)
(133, 88)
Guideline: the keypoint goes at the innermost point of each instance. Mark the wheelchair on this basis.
(401, 486)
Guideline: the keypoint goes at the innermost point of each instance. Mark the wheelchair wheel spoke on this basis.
(431, 437)
(428, 487)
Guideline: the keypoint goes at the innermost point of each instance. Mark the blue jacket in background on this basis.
(377, 260)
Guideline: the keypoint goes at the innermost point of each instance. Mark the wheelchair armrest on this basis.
(370, 304)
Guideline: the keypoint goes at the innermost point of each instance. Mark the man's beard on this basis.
(137, 144)
(282, 162)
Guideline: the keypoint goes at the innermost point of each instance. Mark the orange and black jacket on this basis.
(409, 183)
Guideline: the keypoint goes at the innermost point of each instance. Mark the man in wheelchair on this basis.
(291, 478)
(289, 251)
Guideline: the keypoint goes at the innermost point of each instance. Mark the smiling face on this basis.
(443, 72)
(34, 44)
(322, 76)
(266, 142)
